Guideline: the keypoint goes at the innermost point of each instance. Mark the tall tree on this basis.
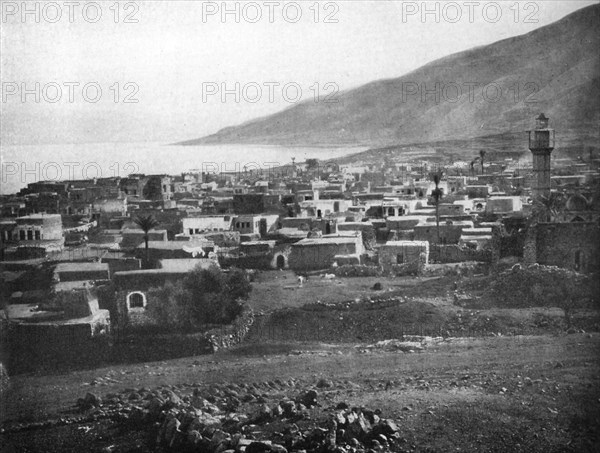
(437, 194)
(146, 223)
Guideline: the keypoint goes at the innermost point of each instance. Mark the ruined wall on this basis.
(571, 245)
(391, 255)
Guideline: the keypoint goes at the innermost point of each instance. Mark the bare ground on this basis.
(495, 391)
(488, 394)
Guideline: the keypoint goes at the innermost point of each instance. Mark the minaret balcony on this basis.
(541, 140)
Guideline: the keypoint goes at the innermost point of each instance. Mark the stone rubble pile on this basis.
(249, 418)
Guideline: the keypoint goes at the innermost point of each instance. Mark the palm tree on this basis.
(481, 158)
(547, 208)
(146, 223)
(437, 194)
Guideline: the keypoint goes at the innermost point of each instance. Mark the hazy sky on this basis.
(176, 58)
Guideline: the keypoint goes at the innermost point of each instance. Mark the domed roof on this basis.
(577, 202)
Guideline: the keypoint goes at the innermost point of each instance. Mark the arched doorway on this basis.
(280, 262)
(136, 300)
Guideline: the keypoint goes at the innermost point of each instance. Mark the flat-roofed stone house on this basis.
(321, 253)
(401, 252)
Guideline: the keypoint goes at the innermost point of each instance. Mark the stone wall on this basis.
(122, 264)
(227, 336)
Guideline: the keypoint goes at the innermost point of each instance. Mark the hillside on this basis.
(554, 69)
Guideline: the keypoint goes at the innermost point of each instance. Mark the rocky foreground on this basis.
(533, 394)
(273, 416)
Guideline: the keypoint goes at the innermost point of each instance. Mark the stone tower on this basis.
(541, 144)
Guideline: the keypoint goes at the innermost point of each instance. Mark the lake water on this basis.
(23, 164)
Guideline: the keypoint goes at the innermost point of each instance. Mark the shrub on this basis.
(238, 284)
(171, 306)
(205, 296)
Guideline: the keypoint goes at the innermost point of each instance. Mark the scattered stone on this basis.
(289, 408)
(262, 414)
(259, 447)
(89, 401)
(324, 383)
(359, 428)
(309, 399)
(387, 428)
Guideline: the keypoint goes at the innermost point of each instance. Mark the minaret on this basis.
(541, 144)
(294, 173)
